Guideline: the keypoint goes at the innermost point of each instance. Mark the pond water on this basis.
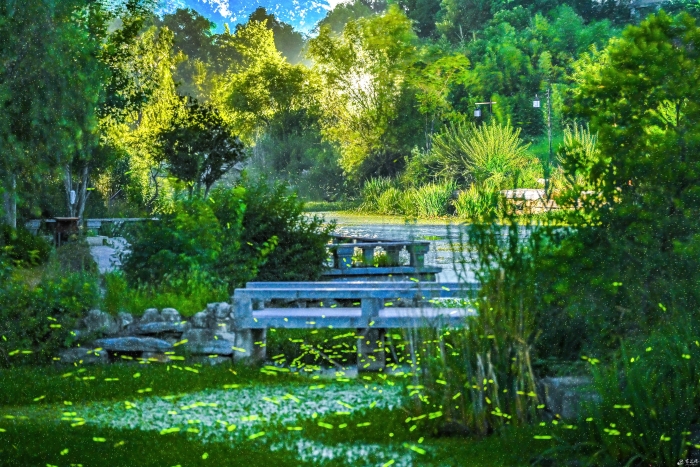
(444, 238)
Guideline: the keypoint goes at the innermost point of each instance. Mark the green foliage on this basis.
(36, 321)
(385, 196)
(23, 248)
(476, 203)
(187, 295)
(481, 376)
(275, 217)
(184, 242)
(490, 154)
(635, 251)
(199, 147)
(648, 406)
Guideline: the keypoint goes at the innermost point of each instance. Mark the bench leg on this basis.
(371, 350)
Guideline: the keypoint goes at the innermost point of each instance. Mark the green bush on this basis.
(23, 248)
(372, 190)
(477, 203)
(235, 236)
(186, 240)
(188, 296)
(35, 322)
(649, 407)
(433, 199)
(273, 216)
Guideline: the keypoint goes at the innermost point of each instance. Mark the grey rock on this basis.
(213, 347)
(564, 396)
(133, 344)
(151, 315)
(209, 360)
(155, 357)
(196, 336)
(124, 319)
(200, 320)
(84, 354)
(158, 327)
(170, 315)
(219, 310)
(99, 321)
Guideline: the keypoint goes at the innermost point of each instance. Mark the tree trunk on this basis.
(78, 208)
(83, 195)
(10, 202)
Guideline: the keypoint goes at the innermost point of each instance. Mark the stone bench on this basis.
(343, 250)
(371, 318)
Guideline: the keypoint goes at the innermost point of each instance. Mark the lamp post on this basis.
(536, 105)
(477, 110)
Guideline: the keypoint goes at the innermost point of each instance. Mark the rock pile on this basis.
(210, 335)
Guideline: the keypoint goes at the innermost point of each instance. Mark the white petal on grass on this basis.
(252, 410)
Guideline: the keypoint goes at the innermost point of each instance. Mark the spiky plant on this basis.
(490, 154)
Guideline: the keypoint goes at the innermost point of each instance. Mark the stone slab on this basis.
(133, 344)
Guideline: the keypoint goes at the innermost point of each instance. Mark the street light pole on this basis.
(477, 110)
(549, 134)
(548, 165)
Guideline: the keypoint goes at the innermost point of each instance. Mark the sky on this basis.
(302, 14)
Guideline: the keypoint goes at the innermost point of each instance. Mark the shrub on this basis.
(391, 202)
(434, 199)
(188, 296)
(477, 203)
(35, 322)
(23, 248)
(372, 190)
(185, 240)
(481, 376)
(649, 406)
(275, 227)
(490, 154)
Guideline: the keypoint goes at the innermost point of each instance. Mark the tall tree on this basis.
(200, 147)
(49, 89)
(366, 97)
(635, 257)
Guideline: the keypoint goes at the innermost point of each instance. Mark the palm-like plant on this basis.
(490, 154)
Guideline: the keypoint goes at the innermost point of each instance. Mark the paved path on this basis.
(107, 256)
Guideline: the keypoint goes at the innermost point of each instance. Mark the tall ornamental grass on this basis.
(481, 376)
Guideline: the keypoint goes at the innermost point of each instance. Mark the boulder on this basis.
(85, 355)
(564, 396)
(151, 315)
(158, 327)
(124, 319)
(219, 310)
(101, 322)
(133, 344)
(200, 320)
(196, 336)
(212, 347)
(170, 315)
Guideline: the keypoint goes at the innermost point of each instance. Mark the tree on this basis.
(633, 263)
(424, 13)
(367, 101)
(199, 147)
(123, 91)
(49, 90)
(289, 42)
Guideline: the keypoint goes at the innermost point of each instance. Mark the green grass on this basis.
(21, 385)
(35, 443)
(30, 433)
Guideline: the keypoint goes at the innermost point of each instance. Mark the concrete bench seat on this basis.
(370, 319)
(338, 318)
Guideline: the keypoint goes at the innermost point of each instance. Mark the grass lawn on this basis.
(147, 415)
